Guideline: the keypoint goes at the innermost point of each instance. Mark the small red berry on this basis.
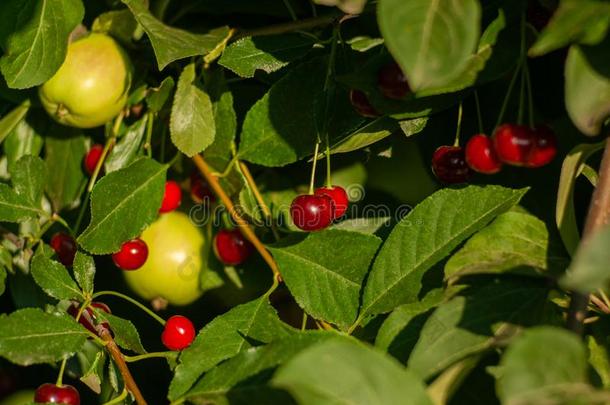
(231, 247)
(200, 191)
(339, 197)
(172, 197)
(481, 156)
(312, 212)
(51, 393)
(65, 248)
(544, 148)
(132, 256)
(449, 165)
(361, 104)
(513, 143)
(392, 82)
(88, 318)
(92, 157)
(178, 333)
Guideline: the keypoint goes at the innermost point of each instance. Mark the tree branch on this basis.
(597, 217)
(241, 223)
(117, 356)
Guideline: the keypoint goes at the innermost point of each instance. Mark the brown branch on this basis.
(597, 217)
(117, 356)
(259, 198)
(241, 223)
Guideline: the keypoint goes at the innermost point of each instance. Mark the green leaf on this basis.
(34, 35)
(425, 236)
(582, 21)
(16, 207)
(191, 125)
(565, 213)
(587, 91)
(170, 43)
(123, 203)
(119, 24)
(2, 279)
(156, 98)
(243, 379)
(597, 345)
(84, 271)
(324, 271)
(224, 117)
(363, 225)
(25, 138)
(29, 177)
(53, 277)
(128, 147)
(589, 268)
(10, 120)
(223, 338)
(368, 134)
(446, 384)
(339, 371)
(280, 128)
(31, 336)
(542, 358)
(93, 375)
(64, 159)
(514, 243)
(473, 322)
(267, 53)
(431, 40)
(125, 334)
(347, 6)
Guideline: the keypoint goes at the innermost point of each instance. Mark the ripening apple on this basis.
(91, 86)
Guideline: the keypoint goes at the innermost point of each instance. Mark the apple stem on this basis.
(458, 130)
(313, 167)
(131, 300)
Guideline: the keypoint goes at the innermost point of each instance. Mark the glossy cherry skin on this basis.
(178, 333)
(339, 197)
(513, 143)
(481, 156)
(312, 212)
(88, 318)
(65, 248)
(392, 82)
(544, 148)
(361, 104)
(172, 197)
(132, 256)
(200, 190)
(92, 157)
(449, 165)
(51, 393)
(231, 248)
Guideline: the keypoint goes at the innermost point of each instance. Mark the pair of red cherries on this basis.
(516, 145)
(312, 212)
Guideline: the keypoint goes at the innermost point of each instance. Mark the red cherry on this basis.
(178, 333)
(88, 318)
(200, 190)
(65, 248)
(513, 143)
(339, 197)
(392, 82)
(51, 393)
(132, 256)
(92, 157)
(231, 247)
(449, 165)
(312, 212)
(545, 147)
(481, 156)
(361, 104)
(172, 197)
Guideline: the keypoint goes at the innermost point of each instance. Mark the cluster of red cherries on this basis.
(313, 212)
(512, 144)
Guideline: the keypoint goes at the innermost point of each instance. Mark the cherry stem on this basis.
(134, 302)
(530, 97)
(243, 225)
(329, 183)
(304, 321)
(119, 399)
(251, 184)
(313, 168)
(479, 116)
(60, 376)
(293, 15)
(509, 91)
(521, 97)
(149, 130)
(456, 142)
(153, 355)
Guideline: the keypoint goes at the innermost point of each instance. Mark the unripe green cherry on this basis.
(91, 86)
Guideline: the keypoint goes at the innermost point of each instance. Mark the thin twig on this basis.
(282, 28)
(241, 223)
(259, 198)
(117, 356)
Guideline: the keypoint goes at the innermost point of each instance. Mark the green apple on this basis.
(175, 261)
(91, 86)
(19, 398)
